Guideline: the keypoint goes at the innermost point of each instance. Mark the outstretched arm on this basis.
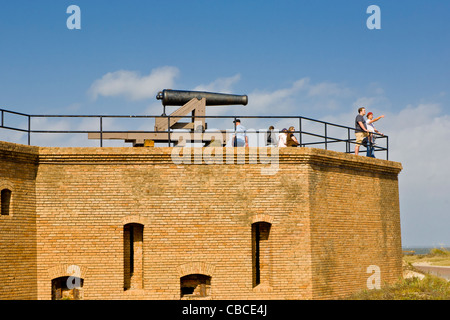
(378, 118)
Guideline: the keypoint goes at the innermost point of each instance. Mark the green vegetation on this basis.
(436, 257)
(429, 288)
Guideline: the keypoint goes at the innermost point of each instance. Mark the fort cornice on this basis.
(214, 155)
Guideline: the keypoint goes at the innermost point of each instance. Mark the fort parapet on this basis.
(132, 223)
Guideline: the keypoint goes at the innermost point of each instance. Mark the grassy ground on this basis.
(426, 287)
(429, 288)
(436, 257)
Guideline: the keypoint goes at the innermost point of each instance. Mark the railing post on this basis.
(101, 131)
(300, 129)
(348, 141)
(234, 140)
(387, 148)
(3, 114)
(29, 130)
(168, 130)
(326, 135)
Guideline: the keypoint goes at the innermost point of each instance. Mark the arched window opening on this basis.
(195, 286)
(133, 235)
(67, 288)
(261, 255)
(5, 202)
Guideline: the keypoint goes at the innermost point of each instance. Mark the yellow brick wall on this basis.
(18, 166)
(355, 224)
(197, 219)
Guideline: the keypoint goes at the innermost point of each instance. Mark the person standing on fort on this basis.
(240, 138)
(282, 138)
(271, 140)
(291, 140)
(371, 128)
(361, 131)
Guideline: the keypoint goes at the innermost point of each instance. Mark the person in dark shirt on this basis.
(271, 140)
(360, 129)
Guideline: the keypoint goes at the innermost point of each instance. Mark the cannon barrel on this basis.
(181, 97)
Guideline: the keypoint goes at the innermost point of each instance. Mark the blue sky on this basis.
(316, 59)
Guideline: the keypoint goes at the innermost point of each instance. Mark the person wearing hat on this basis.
(371, 139)
(240, 138)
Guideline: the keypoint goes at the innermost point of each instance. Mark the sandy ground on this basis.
(424, 268)
(412, 274)
(440, 271)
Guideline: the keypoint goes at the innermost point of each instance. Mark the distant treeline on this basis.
(423, 250)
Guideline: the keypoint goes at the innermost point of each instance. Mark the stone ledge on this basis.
(196, 156)
(209, 155)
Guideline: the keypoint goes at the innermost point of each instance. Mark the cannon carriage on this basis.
(192, 105)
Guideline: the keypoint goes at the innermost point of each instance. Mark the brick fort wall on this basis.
(18, 243)
(141, 223)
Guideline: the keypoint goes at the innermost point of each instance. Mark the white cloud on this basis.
(132, 85)
(222, 85)
(418, 139)
(328, 89)
(301, 97)
(266, 100)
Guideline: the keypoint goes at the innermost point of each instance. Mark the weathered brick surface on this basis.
(332, 215)
(18, 167)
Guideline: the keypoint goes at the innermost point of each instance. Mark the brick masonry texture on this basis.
(331, 216)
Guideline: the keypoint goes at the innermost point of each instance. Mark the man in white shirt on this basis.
(371, 139)
(240, 138)
(370, 120)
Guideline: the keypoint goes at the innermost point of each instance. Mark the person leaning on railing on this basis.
(360, 129)
(371, 128)
(291, 140)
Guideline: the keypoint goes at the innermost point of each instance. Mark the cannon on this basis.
(180, 97)
(193, 102)
(192, 105)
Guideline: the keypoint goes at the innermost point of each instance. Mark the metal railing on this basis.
(306, 137)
